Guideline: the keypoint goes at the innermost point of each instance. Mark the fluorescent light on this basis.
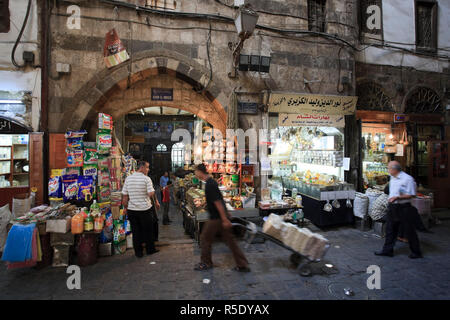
(11, 101)
(329, 265)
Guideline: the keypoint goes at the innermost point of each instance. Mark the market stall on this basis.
(84, 218)
(306, 155)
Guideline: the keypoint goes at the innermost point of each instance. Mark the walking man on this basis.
(218, 222)
(166, 203)
(137, 193)
(402, 189)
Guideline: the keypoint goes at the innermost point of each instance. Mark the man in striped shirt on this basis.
(137, 195)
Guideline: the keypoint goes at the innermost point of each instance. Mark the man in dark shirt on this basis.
(219, 222)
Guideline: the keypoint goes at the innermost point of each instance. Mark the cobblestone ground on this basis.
(272, 277)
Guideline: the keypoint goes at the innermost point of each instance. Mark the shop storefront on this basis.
(306, 155)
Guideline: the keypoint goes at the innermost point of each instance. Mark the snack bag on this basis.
(75, 158)
(107, 233)
(103, 162)
(55, 188)
(72, 170)
(85, 188)
(90, 156)
(105, 121)
(75, 134)
(70, 187)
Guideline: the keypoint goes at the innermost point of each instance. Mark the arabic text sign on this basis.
(162, 94)
(301, 103)
(306, 119)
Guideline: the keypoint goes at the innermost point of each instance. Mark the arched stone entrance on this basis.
(127, 87)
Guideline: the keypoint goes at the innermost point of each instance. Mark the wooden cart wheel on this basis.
(305, 271)
(295, 258)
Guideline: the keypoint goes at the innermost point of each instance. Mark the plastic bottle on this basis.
(77, 224)
(95, 208)
(299, 200)
(98, 223)
(89, 223)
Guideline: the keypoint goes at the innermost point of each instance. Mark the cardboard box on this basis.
(65, 239)
(59, 225)
(115, 211)
(105, 249)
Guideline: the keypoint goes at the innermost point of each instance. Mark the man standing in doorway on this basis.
(402, 189)
(137, 193)
(218, 222)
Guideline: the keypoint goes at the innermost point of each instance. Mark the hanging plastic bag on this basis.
(114, 52)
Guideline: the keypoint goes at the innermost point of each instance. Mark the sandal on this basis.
(242, 269)
(202, 267)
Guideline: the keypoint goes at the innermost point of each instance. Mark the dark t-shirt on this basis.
(212, 194)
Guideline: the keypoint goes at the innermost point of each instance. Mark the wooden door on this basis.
(57, 150)
(37, 165)
(439, 176)
(161, 162)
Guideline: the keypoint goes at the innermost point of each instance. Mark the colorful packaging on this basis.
(103, 162)
(105, 121)
(75, 158)
(90, 156)
(104, 141)
(57, 172)
(85, 188)
(90, 170)
(55, 188)
(105, 207)
(72, 170)
(75, 134)
(74, 143)
(127, 226)
(107, 234)
(70, 187)
(104, 194)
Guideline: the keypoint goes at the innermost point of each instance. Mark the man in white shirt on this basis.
(402, 189)
(137, 193)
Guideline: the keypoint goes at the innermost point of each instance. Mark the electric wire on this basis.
(13, 53)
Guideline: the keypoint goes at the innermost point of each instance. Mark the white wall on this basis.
(12, 79)
(399, 27)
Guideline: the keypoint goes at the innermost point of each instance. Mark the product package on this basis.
(90, 156)
(104, 141)
(104, 194)
(105, 207)
(74, 143)
(75, 134)
(107, 234)
(75, 158)
(85, 188)
(70, 187)
(72, 170)
(55, 188)
(105, 121)
(119, 237)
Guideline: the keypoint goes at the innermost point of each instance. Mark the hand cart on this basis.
(295, 258)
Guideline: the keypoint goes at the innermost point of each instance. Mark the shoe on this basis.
(385, 254)
(415, 256)
(242, 269)
(152, 252)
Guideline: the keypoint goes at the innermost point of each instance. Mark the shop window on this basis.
(178, 151)
(371, 96)
(4, 16)
(423, 100)
(316, 15)
(426, 25)
(161, 148)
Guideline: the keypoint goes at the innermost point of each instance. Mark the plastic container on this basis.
(89, 223)
(98, 224)
(77, 224)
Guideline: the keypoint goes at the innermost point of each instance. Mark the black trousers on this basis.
(155, 230)
(401, 215)
(142, 230)
(416, 220)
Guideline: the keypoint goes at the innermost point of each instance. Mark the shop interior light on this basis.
(328, 265)
(11, 101)
(391, 136)
(376, 138)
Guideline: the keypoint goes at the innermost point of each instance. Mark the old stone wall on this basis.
(178, 46)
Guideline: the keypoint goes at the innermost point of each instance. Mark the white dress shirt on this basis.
(402, 184)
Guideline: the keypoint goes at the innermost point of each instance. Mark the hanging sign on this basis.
(248, 107)
(311, 103)
(399, 118)
(308, 119)
(114, 52)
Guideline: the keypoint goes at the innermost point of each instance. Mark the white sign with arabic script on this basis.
(311, 103)
(307, 119)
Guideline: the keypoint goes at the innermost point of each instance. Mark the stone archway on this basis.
(127, 87)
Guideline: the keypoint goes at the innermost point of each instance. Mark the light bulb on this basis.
(391, 136)
(376, 138)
